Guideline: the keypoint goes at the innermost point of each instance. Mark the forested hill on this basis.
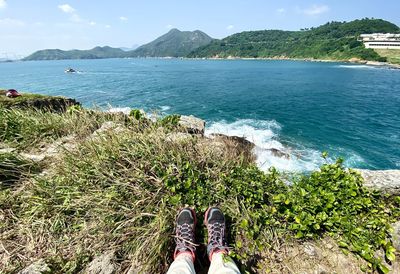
(334, 40)
(95, 53)
(175, 43)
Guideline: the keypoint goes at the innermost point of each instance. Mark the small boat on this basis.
(70, 70)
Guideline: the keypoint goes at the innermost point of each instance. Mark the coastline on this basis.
(279, 58)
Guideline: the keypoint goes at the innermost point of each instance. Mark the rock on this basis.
(234, 144)
(387, 181)
(33, 157)
(240, 142)
(36, 268)
(7, 150)
(67, 143)
(279, 153)
(396, 235)
(103, 264)
(310, 250)
(192, 124)
(211, 146)
(107, 126)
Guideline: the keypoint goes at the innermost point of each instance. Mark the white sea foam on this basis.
(265, 135)
(165, 108)
(356, 66)
(124, 110)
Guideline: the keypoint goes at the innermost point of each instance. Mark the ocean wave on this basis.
(125, 110)
(356, 66)
(165, 108)
(269, 150)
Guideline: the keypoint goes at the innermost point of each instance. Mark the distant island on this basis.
(95, 53)
(332, 41)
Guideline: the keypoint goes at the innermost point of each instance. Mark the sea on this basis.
(299, 108)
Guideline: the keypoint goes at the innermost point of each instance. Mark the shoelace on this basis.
(185, 240)
(217, 235)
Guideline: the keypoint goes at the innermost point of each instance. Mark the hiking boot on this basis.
(185, 232)
(215, 221)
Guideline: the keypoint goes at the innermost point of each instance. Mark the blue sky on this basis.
(26, 26)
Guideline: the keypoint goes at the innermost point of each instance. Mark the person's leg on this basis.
(221, 263)
(185, 249)
(183, 264)
(217, 248)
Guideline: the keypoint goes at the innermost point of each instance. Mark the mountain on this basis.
(334, 40)
(135, 46)
(95, 53)
(175, 43)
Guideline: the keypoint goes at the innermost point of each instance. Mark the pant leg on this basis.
(182, 264)
(222, 264)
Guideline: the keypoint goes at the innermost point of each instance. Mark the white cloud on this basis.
(9, 22)
(92, 23)
(169, 26)
(3, 4)
(230, 27)
(281, 10)
(316, 10)
(123, 18)
(66, 8)
(108, 26)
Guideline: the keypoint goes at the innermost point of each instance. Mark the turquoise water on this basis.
(301, 108)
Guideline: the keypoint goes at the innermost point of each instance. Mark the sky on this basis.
(30, 25)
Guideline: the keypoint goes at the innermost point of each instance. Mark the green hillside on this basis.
(334, 40)
(95, 53)
(175, 43)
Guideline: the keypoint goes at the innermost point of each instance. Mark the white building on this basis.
(381, 40)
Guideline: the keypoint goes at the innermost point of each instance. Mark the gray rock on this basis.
(36, 268)
(279, 153)
(396, 235)
(240, 142)
(103, 264)
(7, 150)
(234, 144)
(33, 157)
(310, 250)
(385, 180)
(192, 124)
(106, 127)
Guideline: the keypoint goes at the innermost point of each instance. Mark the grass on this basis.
(392, 55)
(24, 97)
(120, 190)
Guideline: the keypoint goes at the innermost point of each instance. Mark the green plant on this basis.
(74, 109)
(170, 120)
(136, 114)
(334, 201)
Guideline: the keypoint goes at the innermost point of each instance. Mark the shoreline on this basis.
(350, 61)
